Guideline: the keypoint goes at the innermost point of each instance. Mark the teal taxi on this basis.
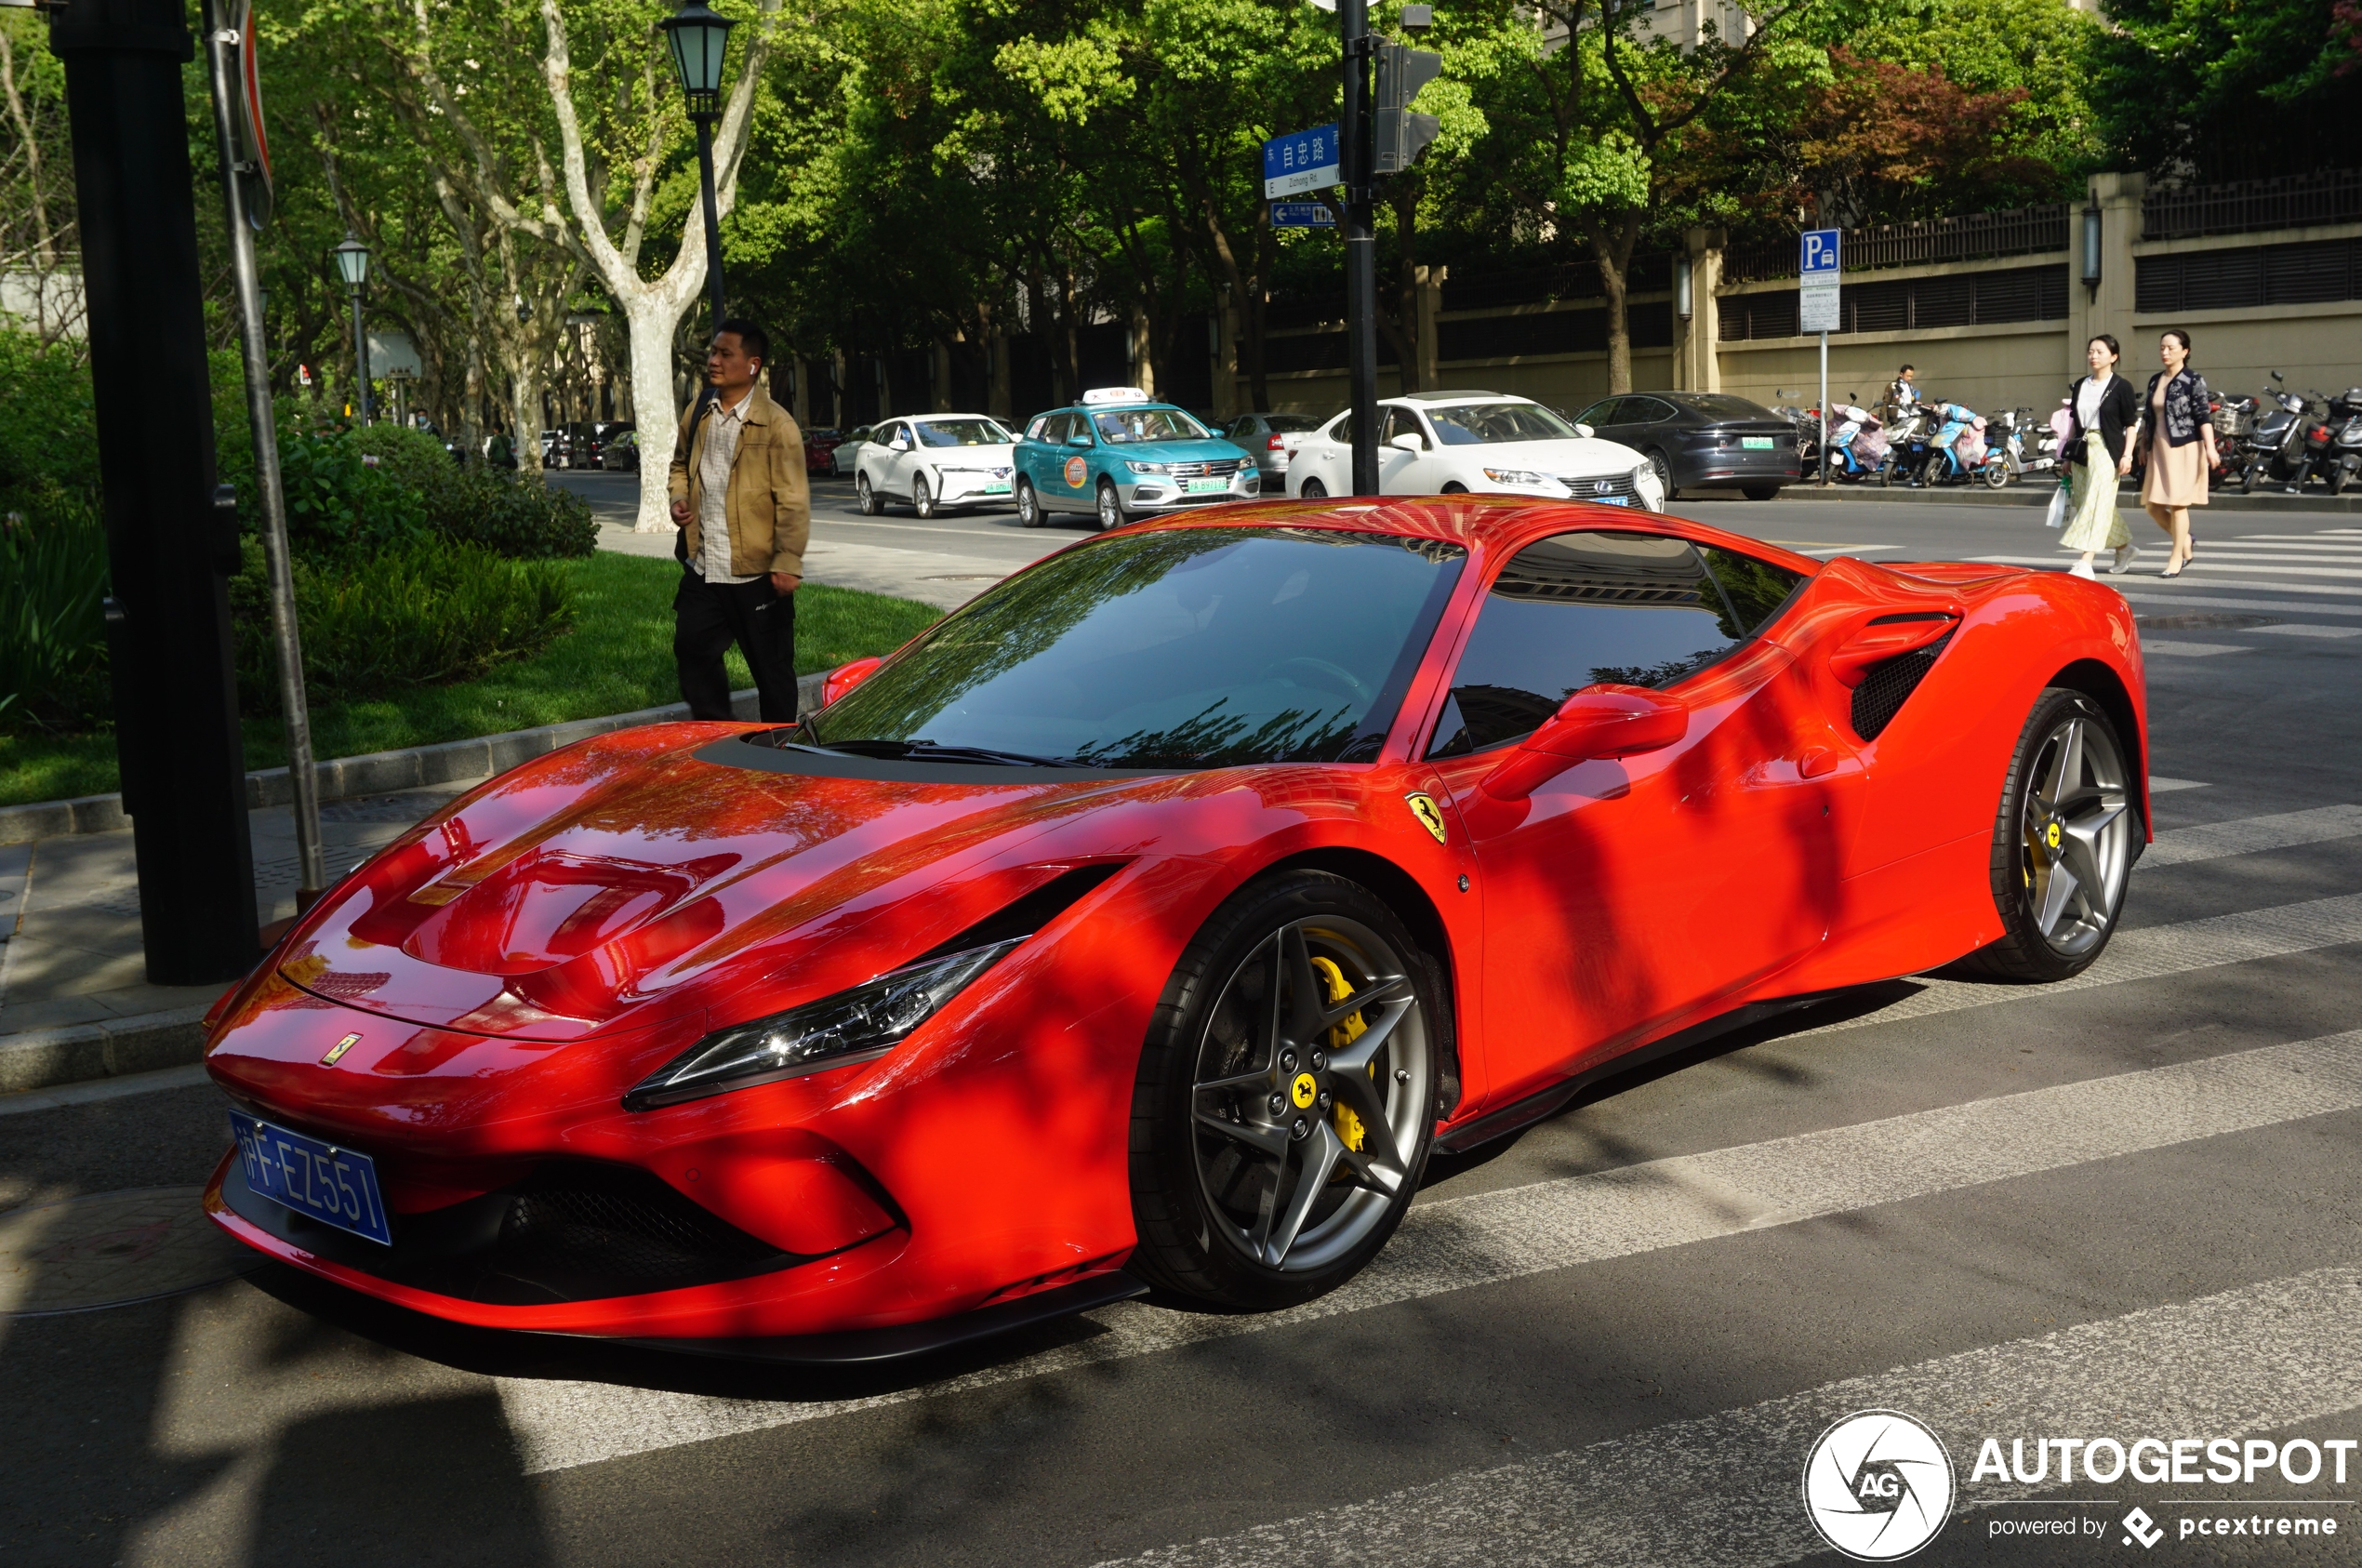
(1118, 455)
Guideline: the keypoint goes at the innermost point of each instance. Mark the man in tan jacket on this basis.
(745, 509)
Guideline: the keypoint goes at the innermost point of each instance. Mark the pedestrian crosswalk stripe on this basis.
(2186, 650)
(2148, 579)
(2150, 953)
(2181, 587)
(2158, 784)
(2276, 606)
(2310, 630)
(2249, 835)
(1724, 1488)
(1456, 1244)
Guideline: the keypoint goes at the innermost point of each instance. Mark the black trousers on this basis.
(709, 617)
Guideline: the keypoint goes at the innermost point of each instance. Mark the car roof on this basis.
(1488, 522)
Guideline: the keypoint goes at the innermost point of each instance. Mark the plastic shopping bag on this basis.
(2056, 517)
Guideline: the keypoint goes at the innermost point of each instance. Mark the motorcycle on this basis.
(1956, 453)
(2233, 437)
(2283, 446)
(2344, 454)
(1907, 447)
(1857, 446)
(2007, 456)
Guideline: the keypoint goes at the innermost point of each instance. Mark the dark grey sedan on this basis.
(1702, 440)
(1272, 438)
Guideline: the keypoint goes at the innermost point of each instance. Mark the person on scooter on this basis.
(2178, 431)
(2106, 414)
(1902, 393)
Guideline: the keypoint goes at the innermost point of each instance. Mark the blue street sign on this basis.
(1306, 160)
(1820, 253)
(1302, 214)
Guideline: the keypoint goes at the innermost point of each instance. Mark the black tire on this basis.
(1109, 513)
(1455, 488)
(1029, 513)
(865, 498)
(1313, 490)
(1198, 1243)
(1997, 476)
(922, 496)
(2247, 480)
(1664, 475)
(2022, 865)
(1760, 492)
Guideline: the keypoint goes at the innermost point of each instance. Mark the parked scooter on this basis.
(1956, 453)
(1907, 447)
(2015, 448)
(2342, 462)
(1857, 444)
(2282, 449)
(2234, 439)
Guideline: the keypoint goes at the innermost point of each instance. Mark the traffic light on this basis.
(1401, 134)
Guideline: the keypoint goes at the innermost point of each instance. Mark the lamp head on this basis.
(352, 261)
(698, 38)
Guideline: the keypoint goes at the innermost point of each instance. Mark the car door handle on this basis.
(1818, 763)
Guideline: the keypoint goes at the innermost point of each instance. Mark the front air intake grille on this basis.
(1594, 486)
(1215, 469)
(612, 1231)
(1883, 691)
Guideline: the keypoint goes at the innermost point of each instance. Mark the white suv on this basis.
(1446, 442)
(936, 462)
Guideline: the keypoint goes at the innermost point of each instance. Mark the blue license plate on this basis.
(1610, 501)
(329, 1183)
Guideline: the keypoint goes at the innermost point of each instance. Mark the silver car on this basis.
(1272, 438)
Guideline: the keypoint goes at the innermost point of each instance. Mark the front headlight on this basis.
(851, 1026)
(1149, 468)
(1518, 476)
(1644, 484)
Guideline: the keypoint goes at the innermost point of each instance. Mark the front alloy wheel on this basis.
(1028, 505)
(1286, 1099)
(1110, 507)
(2063, 844)
(922, 496)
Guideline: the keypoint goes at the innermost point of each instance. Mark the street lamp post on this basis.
(352, 265)
(699, 39)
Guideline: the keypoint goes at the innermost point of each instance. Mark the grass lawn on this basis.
(617, 658)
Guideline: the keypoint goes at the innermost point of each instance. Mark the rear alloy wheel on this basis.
(865, 498)
(1030, 514)
(1760, 492)
(1110, 507)
(1286, 1100)
(1664, 475)
(2062, 843)
(922, 496)
(1997, 476)
(1313, 490)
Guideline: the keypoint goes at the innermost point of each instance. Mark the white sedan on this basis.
(936, 462)
(1446, 442)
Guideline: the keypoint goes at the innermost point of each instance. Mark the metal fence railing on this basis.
(2251, 206)
(2025, 230)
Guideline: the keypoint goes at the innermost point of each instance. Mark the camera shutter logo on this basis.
(1877, 1485)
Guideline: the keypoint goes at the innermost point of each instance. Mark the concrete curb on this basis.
(42, 1058)
(379, 773)
(2035, 491)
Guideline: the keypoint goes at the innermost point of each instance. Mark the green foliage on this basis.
(422, 612)
(338, 504)
(53, 576)
(519, 517)
(49, 445)
(2240, 90)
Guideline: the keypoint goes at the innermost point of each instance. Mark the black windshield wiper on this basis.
(933, 752)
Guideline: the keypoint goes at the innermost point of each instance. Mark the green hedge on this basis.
(53, 576)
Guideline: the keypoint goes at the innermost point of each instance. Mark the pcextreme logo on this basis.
(1877, 1485)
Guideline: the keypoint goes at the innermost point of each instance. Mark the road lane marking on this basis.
(2145, 579)
(1458, 1244)
(2309, 631)
(2247, 835)
(2158, 786)
(2166, 648)
(1724, 1488)
(2153, 953)
(2274, 606)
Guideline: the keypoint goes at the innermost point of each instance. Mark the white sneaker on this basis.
(2124, 559)
(2083, 569)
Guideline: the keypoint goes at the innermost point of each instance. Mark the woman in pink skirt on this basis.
(2177, 440)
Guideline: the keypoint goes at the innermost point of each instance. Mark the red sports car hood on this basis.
(626, 881)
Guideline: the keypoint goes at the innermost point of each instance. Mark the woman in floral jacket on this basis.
(2177, 441)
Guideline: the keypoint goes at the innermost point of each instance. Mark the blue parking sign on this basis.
(1819, 251)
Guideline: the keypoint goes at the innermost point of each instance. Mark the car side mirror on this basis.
(1602, 721)
(899, 445)
(845, 677)
(1409, 442)
(1585, 432)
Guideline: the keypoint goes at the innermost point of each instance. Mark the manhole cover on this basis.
(2199, 621)
(111, 1249)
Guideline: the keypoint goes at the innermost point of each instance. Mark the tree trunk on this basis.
(649, 323)
(1612, 248)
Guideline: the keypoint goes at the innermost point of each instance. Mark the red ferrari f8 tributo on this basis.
(1151, 919)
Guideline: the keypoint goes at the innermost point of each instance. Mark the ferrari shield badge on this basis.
(1430, 816)
(337, 1051)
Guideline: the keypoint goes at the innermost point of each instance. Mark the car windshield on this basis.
(1129, 425)
(1197, 647)
(963, 432)
(1721, 405)
(1494, 424)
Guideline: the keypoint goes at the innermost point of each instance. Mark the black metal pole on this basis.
(712, 222)
(359, 355)
(1359, 153)
(170, 546)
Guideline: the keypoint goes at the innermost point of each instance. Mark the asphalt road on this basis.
(2127, 1207)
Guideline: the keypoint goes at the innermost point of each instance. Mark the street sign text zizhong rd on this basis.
(1301, 161)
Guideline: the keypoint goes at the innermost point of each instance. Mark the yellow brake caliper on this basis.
(1349, 1129)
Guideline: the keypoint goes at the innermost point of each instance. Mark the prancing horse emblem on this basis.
(1430, 816)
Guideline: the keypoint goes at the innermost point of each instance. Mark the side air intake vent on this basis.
(1883, 691)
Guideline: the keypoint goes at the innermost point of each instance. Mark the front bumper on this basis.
(976, 488)
(1149, 493)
